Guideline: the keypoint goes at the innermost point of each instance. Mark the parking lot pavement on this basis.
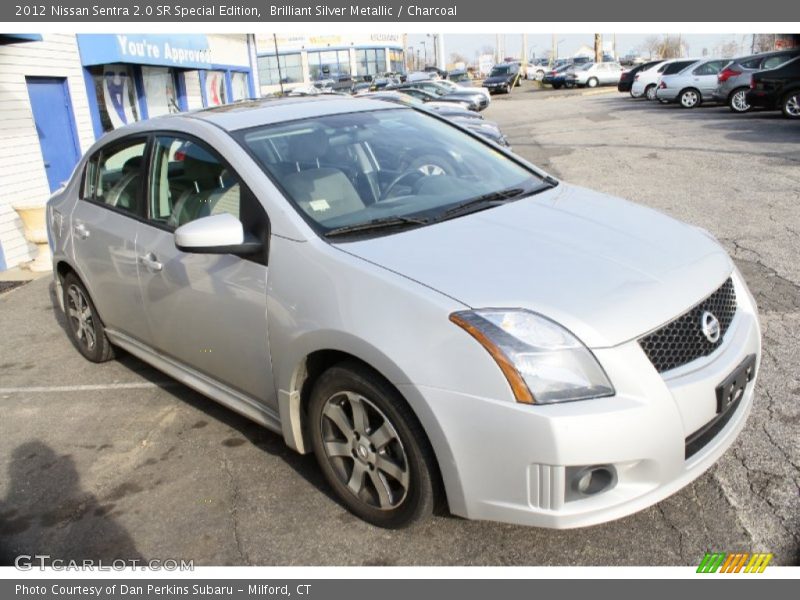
(117, 461)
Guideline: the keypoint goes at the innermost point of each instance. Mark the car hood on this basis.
(607, 269)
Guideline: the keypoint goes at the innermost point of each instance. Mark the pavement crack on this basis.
(671, 524)
(234, 511)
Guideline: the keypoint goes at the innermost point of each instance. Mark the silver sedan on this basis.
(437, 320)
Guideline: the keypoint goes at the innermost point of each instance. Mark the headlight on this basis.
(543, 362)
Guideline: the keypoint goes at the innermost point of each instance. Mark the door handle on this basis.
(150, 262)
(81, 231)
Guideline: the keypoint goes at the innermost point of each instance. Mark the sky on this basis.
(469, 45)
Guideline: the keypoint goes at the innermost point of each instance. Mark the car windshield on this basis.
(497, 71)
(586, 67)
(397, 164)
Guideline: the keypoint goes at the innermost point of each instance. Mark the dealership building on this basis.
(61, 92)
(300, 59)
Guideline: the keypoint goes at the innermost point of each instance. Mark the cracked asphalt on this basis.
(142, 467)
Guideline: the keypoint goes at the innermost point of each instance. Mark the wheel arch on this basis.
(693, 89)
(294, 399)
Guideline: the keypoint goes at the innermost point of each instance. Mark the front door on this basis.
(55, 126)
(207, 311)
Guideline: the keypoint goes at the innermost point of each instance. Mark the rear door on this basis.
(103, 228)
(705, 77)
(206, 311)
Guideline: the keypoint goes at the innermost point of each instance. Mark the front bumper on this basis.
(512, 462)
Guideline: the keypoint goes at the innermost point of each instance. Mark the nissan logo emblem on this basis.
(709, 325)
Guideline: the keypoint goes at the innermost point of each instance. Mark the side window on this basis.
(774, 62)
(753, 63)
(706, 69)
(114, 176)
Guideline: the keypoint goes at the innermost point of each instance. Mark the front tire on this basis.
(791, 105)
(592, 83)
(84, 327)
(737, 101)
(371, 447)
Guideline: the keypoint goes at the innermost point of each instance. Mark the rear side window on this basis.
(709, 68)
(677, 67)
(753, 63)
(773, 62)
(114, 176)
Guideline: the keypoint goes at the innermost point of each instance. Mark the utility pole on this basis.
(498, 56)
(278, 60)
(614, 47)
(598, 48)
(554, 51)
(524, 57)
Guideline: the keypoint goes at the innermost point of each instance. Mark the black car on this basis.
(502, 78)
(777, 89)
(426, 96)
(476, 99)
(626, 80)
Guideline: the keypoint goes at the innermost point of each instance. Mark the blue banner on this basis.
(184, 51)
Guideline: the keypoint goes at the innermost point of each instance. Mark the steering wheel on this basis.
(418, 171)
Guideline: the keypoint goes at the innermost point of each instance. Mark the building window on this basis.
(329, 64)
(371, 61)
(216, 93)
(397, 61)
(240, 90)
(291, 69)
(116, 95)
(159, 91)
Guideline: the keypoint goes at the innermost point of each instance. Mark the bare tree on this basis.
(727, 49)
(651, 45)
(456, 57)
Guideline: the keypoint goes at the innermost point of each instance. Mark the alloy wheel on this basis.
(792, 106)
(365, 451)
(651, 92)
(739, 101)
(80, 317)
(689, 99)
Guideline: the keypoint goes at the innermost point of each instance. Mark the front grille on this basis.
(682, 340)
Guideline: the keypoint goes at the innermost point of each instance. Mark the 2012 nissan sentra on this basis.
(439, 321)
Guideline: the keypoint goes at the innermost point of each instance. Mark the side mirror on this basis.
(216, 234)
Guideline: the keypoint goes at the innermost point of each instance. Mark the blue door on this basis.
(55, 126)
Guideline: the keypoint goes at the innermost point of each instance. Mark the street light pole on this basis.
(278, 61)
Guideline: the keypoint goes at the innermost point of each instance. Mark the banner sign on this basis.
(184, 51)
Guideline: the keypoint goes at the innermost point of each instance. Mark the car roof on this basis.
(266, 111)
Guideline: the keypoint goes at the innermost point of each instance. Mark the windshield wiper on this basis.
(381, 223)
(490, 200)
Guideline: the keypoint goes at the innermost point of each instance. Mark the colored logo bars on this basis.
(734, 563)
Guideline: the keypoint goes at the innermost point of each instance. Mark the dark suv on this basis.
(502, 78)
(777, 89)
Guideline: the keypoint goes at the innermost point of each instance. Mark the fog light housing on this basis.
(587, 481)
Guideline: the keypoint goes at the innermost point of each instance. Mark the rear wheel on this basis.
(539, 75)
(791, 105)
(689, 98)
(650, 92)
(737, 101)
(592, 82)
(84, 327)
(371, 447)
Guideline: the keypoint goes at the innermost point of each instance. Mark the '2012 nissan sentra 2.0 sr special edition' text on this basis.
(436, 319)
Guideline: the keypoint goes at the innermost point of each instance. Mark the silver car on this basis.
(733, 82)
(691, 86)
(593, 74)
(437, 320)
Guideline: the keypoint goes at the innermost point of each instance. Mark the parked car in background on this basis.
(691, 86)
(626, 79)
(426, 96)
(537, 69)
(476, 99)
(557, 76)
(465, 118)
(436, 72)
(593, 74)
(777, 89)
(733, 82)
(464, 86)
(418, 76)
(502, 78)
(439, 321)
(645, 82)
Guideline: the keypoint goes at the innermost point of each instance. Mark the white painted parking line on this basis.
(88, 388)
